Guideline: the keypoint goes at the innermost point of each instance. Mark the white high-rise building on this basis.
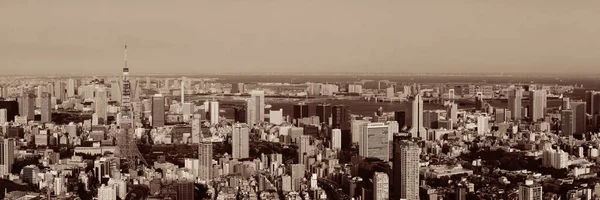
(336, 139)
(106, 193)
(356, 128)
(71, 88)
(406, 169)
(100, 104)
(240, 139)
(214, 112)
(537, 105)
(276, 116)
(483, 126)
(3, 116)
(381, 185)
(393, 128)
(255, 110)
(416, 112)
(374, 141)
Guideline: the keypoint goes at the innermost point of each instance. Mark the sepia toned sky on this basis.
(289, 36)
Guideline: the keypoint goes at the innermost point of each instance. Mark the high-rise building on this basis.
(416, 114)
(46, 108)
(340, 117)
(592, 98)
(71, 85)
(205, 156)
(59, 90)
(579, 117)
(240, 140)
(393, 128)
(537, 105)
(196, 131)
(255, 110)
(158, 110)
(182, 88)
(30, 173)
(187, 109)
(100, 105)
(276, 116)
(452, 112)
(27, 106)
(381, 186)
(567, 122)
(374, 141)
(7, 156)
(300, 111)
(336, 139)
(483, 126)
(214, 112)
(566, 103)
(515, 98)
(115, 91)
(324, 112)
(185, 190)
(406, 168)
(357, 129)
(3, 116)
(107, 193)
(304, 148)
(530, 191)
(500, 115)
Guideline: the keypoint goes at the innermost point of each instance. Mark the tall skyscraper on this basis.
(336, 139)
(46, 108)
(158, 110)
(452, 112)
(515, 98)
(530, 191)
(483, 126)
(324, 112)
(406, 168)
(300, 111)
(27, 105)
(579, 117)
(214, 112)
(240, 139)
(205, 155)
(276, 116)
(592, 98)
(3, 116)
(255, 110)
(7, 156)
(100, 105)
(381, 186)
(537, 105)
(567, 122)
(400, 117)
(59, 90)
(182, 87)
(71, 85)
(107, 193)
(416, 112)
(374, 141)
(340, 117)
(185, 190)
(566, 103)
(305, 149)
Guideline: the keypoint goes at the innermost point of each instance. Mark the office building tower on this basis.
(416, 114)
(592, 98)
(182, 88)
(537, 105)
(515, 98)
(3, 116)
(336, 139)
(357, 130)
(214, 112)
(27, 106)
(187, 110)
(304, 148)
(400, 117)
(46, 108)
(300, 111)
(71, 86)
(276, 116)
(115, 91)
(196, 131)
(59, 90)
(158, 110)
(324, 113)
(566, 103)
(101, 104)
(205, 155)
(500, 115)
(381, 186)
(340, 117)
(406, 168)
(567, 122)
(29, 174)
(374, 141)
(431, 119)
(393, 128)
(579, 117)
(240, 139)
(255, 107)
(390, 92)
(7, 156)
(452, 112)
(107, 193)
(12, 109)
(185, 190)
(483, 126)
(530, 191)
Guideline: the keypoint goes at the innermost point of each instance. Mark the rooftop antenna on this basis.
(125, 55)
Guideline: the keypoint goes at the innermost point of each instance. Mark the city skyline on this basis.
(276, 36)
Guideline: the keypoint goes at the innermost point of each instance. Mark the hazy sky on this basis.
(285, 36)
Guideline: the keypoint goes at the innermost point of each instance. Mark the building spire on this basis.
(125, 55)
